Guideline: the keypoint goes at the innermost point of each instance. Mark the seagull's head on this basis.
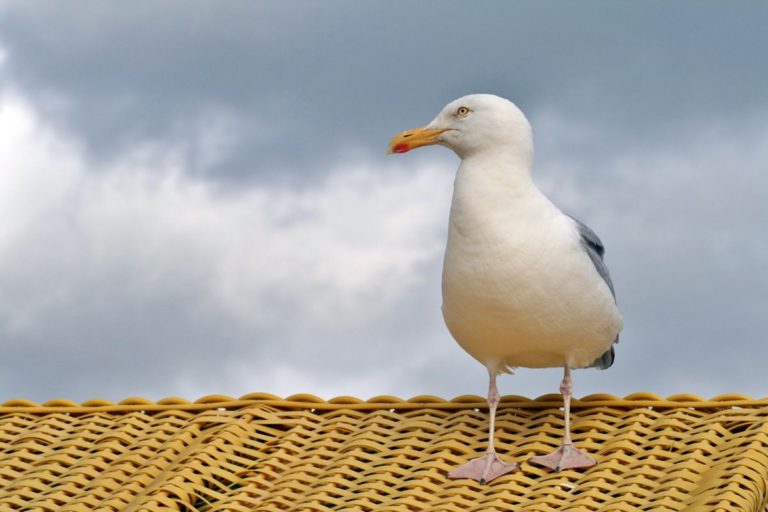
(470, 125)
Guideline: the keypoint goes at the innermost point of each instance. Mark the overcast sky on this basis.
(195, 197)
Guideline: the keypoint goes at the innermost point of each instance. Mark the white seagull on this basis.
(523, 283)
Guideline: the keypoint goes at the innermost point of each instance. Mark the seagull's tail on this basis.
(604, 361)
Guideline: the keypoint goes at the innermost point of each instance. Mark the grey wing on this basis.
(595, 249)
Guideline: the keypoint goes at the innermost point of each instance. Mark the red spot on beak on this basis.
(401, 147)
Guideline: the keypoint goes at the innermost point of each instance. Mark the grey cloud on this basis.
(684, 224)
(311, 82)
(649, 126)
(148, 282)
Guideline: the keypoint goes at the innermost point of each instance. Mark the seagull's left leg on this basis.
(489, 466)
(567, 456)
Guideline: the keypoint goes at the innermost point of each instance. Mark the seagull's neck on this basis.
(494, 201)
(504, 173)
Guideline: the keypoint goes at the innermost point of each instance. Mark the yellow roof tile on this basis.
(302, 453)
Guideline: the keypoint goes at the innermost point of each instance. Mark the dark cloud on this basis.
(309, 82)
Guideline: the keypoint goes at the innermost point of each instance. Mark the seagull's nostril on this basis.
(406, 135)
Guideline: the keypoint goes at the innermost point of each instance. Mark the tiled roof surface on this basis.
(264, 453)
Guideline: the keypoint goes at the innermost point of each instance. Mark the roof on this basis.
(260, 452)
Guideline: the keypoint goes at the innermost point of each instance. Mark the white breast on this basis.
(518, 287)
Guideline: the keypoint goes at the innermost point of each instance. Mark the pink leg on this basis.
(567, 456)
(489, 466)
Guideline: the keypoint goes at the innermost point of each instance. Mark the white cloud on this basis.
(141, 268)
(275, 264)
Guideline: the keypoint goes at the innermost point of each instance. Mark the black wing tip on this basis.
(605, 361)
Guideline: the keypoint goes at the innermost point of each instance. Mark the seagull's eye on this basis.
(463, 111)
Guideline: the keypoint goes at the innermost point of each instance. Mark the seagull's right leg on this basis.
(567, 456)
(489, 466)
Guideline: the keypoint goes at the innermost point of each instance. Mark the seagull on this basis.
(524, 285)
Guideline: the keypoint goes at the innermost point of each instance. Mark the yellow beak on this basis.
(412, 139)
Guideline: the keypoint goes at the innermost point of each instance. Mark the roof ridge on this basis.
(309, 401)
